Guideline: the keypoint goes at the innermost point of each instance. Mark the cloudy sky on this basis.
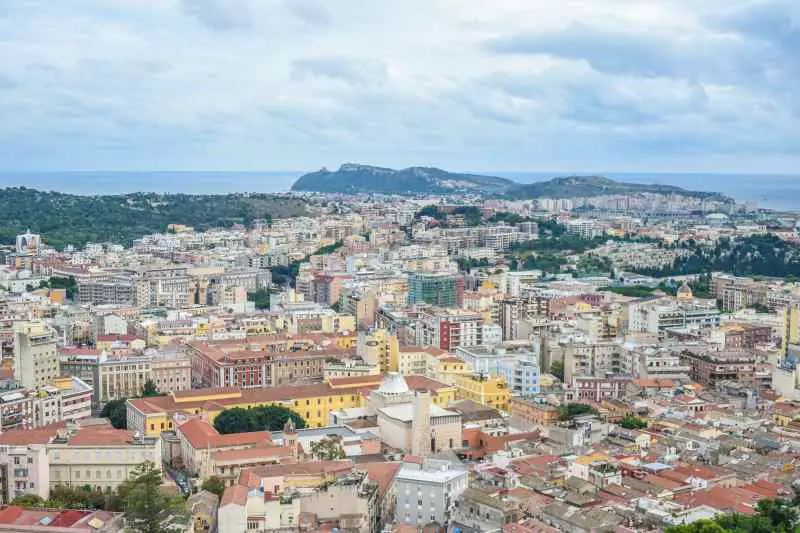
(583, 85)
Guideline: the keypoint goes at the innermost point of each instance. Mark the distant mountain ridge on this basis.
(588, 186)
(353, 178)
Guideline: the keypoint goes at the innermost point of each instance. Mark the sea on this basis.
(771, 191)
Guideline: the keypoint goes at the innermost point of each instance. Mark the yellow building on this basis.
(446, 368)
(313, 403)
(491, 391)
(378, 347)
(547, 381)
(413, 360)
(791, 329)
(106, 343)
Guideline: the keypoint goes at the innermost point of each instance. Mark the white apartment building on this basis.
(427, 493)
(657, 316)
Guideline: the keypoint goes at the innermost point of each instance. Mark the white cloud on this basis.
(463, 84)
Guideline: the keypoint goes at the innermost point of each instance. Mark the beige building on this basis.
(23, 463)
(171, 372)
(35, 357)
(98, 456)
(410, 421)
(111, 377)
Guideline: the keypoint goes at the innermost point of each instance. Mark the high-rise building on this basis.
(28, 243)
(35, 357)
(440, 289)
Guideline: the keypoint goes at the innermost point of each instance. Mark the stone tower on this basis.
(290, 436)
(421, 437)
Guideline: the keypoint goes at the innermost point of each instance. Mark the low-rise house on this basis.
(315, 495)
(576, 520)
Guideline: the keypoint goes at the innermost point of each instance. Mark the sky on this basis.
(504, 85)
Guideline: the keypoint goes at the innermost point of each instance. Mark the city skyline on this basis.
(511, 86)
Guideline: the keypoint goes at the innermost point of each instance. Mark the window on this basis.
(77, 474)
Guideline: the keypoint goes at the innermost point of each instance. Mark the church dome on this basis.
(394, 383)
(684, 292)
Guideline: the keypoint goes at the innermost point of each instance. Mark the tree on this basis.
(214, 485)
(260, 297)
(328, 449)
(117, 413)
(28, 500)
(273, 418)
(149, 389)
(261, 418)
(700, 526)
(771, 516)
(557, 369)
(234, 420)
(632, 422)
(565, 412)
(149, 508)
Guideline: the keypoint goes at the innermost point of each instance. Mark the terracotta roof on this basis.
(418, 349)
(767, 489)
(421, 382)
(201, 434)
(294, 469)
(100, 436)
(665, 483)
(731, 499)
(24, 437)
(237, 494)
(284, 393)
(382, 473)
(253, 454)
(112, 338)
(356, 380)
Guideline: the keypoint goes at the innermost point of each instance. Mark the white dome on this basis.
(394, 383)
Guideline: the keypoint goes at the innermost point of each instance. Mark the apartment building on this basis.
(227, 365)
(98, 456)
(483, 389)
(712, 368)
(496, 238)
(24, 468)
(655, 362)
(655, 316)
(119, 290)
(35, 357)
(583, 358)
(448, 329)
(427, 492)
(596, 389)
(273, 498)
(34, 461)
(439, 289)
(736, 292)
(171, 371)
(111, 377)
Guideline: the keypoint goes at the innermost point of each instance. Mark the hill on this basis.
(352, 178)
(588, 186)
(64, 219)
